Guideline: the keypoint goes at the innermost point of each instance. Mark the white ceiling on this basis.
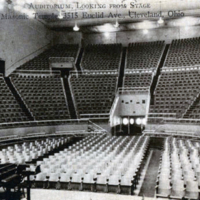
(190, 8)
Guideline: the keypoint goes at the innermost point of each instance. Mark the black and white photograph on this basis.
(99, 100)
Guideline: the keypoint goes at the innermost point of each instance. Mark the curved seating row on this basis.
(102, 57)
(41, 62)
(179, 172)
(44, 96)
(183, 53)
(10, 110)
(175, 91)
(103, 163)
(144, 55)
(93, 93)
(29, 151)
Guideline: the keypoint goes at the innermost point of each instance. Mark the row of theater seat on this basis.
(103, 163)
(175, 91)
(29, 151)
(93, 93)
(183, 52)
(9, 107)
(179, 172)
(41, 62)
(102, 57)
(44, 95)
(144, 55)
(137, 79)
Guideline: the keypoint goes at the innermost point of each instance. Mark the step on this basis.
(70, 102)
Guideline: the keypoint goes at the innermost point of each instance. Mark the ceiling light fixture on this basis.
(160, 21)
(107, 34)
(60, 16)
(1, 7)
(116, 24)
(145, 31)
(76, 28)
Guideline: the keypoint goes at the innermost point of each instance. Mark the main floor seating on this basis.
(41, 62)
(144, 55)
(183, 53)
(94, 92)
(10, 110)
(97, 163)
(102, 57)
(139, 79)
(43, 94)
(28, 151)
(176, 91)
(179, 172)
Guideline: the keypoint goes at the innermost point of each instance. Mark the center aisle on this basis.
(148, 186)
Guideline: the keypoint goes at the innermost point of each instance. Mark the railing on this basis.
(61, 59)
(159, 77)
(138, 71)
(181, 120)
(78, 133)
(113, 107)
(95, 115)
(94, 72)
(133, 90)
(166, 56)
(180, 68)
(38, 133)
(97, 127)
(73, 98)
(155, 120)
(184, 134)
(77, 54)
(94, 129)
(162, 115)
(120, 60)
(12, 138)
(37, 72)
(42, 123)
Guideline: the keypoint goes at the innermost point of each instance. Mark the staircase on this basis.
(192, 107)
(155, 79)
(70, 102)
(78, 62)
(122, 67)
(18, 98)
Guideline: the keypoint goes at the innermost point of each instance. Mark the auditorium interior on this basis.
(100, 108)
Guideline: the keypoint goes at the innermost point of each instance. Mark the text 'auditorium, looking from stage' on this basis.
(91, 112)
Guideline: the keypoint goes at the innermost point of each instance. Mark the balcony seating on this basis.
(9, 107)
(41, 62)
(94, 93)
(175, 91)
(43, 94)
(183, 53)
(102, 57)
(144, 55)
(132, 79)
